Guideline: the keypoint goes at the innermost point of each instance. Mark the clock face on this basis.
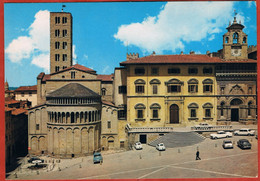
(236, 52)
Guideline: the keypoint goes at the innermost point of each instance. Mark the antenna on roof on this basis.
(63, 6)
(126, 46)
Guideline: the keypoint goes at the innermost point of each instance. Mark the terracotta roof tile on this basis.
(8, 109)
(40, 76)
(46, 77)
(11, 101)
(27, 88)
(106, 77)
(19, 111)
(108, 103)
(81, 67)
(78, 67)
(169, 59)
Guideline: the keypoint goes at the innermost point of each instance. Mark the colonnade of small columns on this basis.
(73, 101)
(74, 117)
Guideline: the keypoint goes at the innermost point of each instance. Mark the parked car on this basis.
(203, 125)
(97, 157)
(227, 144)
(244, 144)
(220, 134)
(160, 147)
(35, 160)
(244, 132)
(138, 146)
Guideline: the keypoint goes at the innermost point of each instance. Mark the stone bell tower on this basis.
(235, 42)
(60, 41)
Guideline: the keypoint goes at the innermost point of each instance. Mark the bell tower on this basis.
(60, 41)
(235, 42)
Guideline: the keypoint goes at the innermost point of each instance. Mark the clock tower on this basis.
(235, 42)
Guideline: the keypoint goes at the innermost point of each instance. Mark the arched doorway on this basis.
(234, 104)
(174, 114)
(110, 143)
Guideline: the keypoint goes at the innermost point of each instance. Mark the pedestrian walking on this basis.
(198, 155)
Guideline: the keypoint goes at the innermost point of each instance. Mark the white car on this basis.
(203, 125)
(244, 132)
(160, 147)
(138, 146)
(220, 134)
(227, 144)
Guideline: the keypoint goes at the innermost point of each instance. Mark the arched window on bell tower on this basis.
(235, 37)
(244, 40)
(226, 40)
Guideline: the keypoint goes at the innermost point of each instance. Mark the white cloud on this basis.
(212, 37)
(74, 55)
(43, 61)
(250, 3)
(36, 45)
(19, 48)
(177, 23)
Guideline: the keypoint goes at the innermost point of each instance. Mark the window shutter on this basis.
(196, 88)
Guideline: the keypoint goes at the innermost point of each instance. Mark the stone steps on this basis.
(178, 139)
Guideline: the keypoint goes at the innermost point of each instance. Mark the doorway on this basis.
(143, 138)
(110, 144)
(234, 114)
(174, 114)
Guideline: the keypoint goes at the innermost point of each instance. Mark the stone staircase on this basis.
(178, 139)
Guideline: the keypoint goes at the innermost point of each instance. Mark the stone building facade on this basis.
(167, 91)
(16, 129)
(27, 93)
(79, 111)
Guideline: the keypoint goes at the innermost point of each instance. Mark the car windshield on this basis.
(97, 154)
(245, 143)
(227, 141)
(161, 144)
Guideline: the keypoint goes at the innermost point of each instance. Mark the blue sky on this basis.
(104, 32)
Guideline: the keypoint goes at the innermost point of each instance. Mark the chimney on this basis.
(208, 52)
(153, 53)
(181, 52)
(192, 52)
